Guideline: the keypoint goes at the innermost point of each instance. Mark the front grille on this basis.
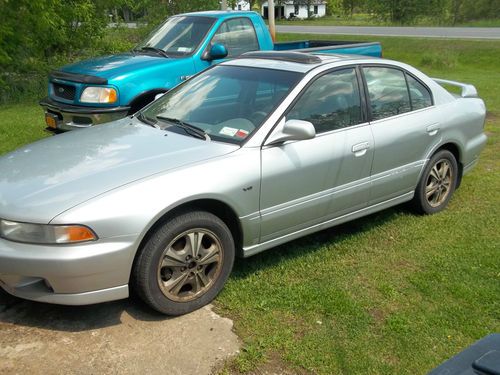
(64, 91)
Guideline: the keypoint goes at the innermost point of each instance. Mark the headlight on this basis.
(45, 234)
(99, 95)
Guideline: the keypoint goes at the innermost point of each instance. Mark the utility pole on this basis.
(223, 5)
(270, 18)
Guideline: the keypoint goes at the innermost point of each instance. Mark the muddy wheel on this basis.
(437, 184)
(185, 263)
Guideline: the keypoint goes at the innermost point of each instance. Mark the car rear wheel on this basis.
(437, 184)
(185, 263)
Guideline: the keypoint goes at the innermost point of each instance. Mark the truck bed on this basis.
(326, 46)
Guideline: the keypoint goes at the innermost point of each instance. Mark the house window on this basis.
(315, 9)
(239, 7)
(296, 9)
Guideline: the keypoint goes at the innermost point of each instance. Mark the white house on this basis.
(296, 8)
(242, 5)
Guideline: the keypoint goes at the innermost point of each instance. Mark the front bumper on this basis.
(69, 117)
(70, 274)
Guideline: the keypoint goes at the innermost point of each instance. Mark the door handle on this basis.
(360, 149)
(433, 129)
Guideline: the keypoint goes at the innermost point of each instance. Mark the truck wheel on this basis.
(185, 263)
(437, 184)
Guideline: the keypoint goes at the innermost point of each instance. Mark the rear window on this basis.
(419, 94)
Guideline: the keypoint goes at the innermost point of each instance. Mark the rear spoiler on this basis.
(468, 91)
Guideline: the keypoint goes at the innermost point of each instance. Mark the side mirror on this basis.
(292, 130)
(217, 51)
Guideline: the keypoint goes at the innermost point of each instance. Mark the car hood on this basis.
(112, 66)
(45, 178)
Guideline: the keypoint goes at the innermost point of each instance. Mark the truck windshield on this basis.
(227, 103)
(178, 36)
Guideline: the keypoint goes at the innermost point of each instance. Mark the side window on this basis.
(388, 92)
(237, 35)
(331, 102)
(419, 94)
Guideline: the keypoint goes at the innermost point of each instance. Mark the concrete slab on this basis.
(123, 337)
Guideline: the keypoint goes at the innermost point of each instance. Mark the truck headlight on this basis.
(45, 234)
(99, 95)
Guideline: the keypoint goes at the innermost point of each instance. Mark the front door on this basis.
(307, 182)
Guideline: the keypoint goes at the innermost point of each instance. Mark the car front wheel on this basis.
(437, 184)
(185, 263)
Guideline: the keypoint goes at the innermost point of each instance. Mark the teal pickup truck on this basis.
(108, 88)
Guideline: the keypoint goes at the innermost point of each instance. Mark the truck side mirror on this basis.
(217, 51)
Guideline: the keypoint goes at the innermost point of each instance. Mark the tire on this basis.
(437, 184)
(176, 278)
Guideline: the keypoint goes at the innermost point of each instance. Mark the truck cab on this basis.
(107, 88)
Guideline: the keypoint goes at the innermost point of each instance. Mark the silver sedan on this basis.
(245, 156)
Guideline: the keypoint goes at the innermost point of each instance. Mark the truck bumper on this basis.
(67, 274)
(62, 117)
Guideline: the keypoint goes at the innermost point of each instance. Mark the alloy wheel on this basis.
(190, 264)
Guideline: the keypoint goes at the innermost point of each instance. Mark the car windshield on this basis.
(178, 36)
(227, 103)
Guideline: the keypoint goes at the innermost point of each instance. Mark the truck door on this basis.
(237, 35)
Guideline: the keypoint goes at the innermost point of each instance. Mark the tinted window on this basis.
(420, 96)
(237, 35)
(388, 92)
(331, 102)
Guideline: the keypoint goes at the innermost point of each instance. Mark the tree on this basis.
(405, 11)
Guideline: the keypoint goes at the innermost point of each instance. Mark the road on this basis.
(424, 32)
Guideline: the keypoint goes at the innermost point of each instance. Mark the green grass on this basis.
(368, 20)
(393, 293)
(20, 124)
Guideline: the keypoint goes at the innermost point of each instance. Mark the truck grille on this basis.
(64, 91)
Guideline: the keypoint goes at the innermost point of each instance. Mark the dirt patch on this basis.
(378, 315)
(122, 337)
(492, 116)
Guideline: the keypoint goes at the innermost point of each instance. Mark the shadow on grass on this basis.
(314, 242)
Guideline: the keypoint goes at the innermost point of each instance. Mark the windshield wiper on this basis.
(140, 116)
(188, 128)
(154, 49)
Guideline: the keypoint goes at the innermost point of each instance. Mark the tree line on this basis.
(408, 11)
(32, 32)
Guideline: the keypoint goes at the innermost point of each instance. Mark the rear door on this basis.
(307, 182)
(404, 127)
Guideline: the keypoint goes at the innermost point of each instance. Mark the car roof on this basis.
(293, 61)
(220, 13)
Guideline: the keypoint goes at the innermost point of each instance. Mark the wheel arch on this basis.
(455, 150)
(144, 98)
(214, 206)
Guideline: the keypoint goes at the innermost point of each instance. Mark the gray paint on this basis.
(119, 179)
